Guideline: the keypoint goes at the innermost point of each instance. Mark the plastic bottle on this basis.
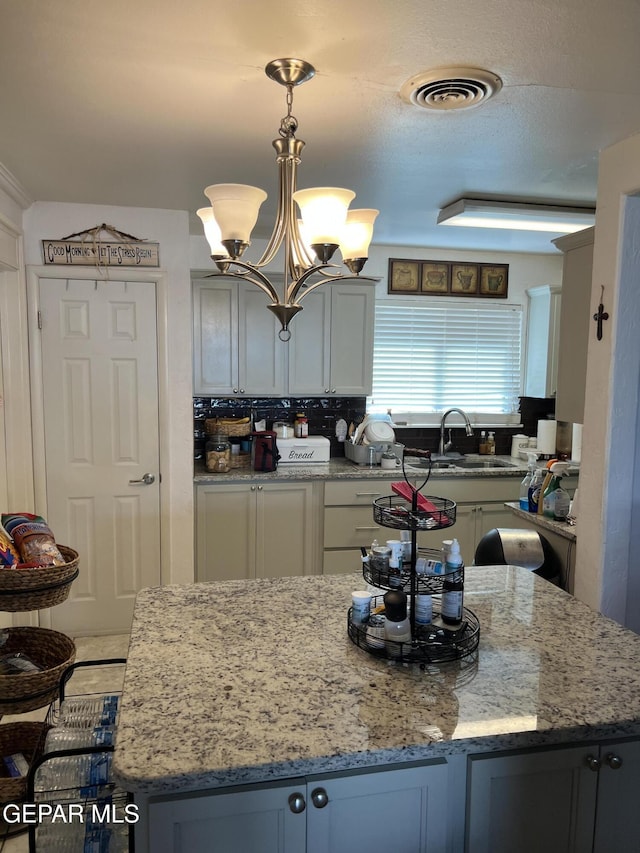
(482, 446)
(424, 609)
(534, 489)
(491, 444)
(526, 482)
(558, 469)
(87, 712)
(451, 607)
(79, 776)
(397, 628)
(562, 502)
(61, 737)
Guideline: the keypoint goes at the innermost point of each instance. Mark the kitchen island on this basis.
(244, 691)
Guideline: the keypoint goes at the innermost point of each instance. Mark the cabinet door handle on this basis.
(333, 390)
(368, 494)
(367, 528)
(326, 390)
(614, 761)
(319, 798)
(259, 488)
(235, 390)
(145, 480)
(593, 763)
(253, 488)
(297, 803)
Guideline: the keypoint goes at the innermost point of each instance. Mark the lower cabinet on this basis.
(566, 800)
(257, 529)
(349, 523)
(400, 810)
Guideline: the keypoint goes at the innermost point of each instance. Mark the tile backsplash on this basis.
(323, 414)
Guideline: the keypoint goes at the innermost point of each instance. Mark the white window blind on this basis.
(428, 357)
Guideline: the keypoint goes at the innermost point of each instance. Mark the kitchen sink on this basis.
(484, 463)
(465, 463)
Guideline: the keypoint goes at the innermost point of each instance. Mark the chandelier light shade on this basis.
(324, 213)
(555, 219)
(212, 233)
(356, 237)
(310, 242)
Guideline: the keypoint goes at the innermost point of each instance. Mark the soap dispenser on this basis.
(491, 444)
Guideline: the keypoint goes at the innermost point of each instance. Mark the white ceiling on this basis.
(145, 102)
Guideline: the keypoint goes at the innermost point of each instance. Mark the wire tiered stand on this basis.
(436, 642)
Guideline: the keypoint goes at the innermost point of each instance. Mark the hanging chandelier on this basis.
(309, 243)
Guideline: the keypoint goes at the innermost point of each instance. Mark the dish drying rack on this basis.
(102, 798)
(410, 510)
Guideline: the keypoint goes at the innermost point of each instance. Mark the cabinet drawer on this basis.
(355, 492)
(351, 528)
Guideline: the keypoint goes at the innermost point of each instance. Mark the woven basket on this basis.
(27, 738)
(226, 426)
(27, 691)
(240, 460)
(35, 588)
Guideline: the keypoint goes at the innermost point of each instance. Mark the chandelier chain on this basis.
(289, 124)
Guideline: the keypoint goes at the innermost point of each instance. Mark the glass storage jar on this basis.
(218, 454)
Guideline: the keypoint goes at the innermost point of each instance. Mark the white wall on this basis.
(16, 469)
(170, 228)
(606, 567)
(525, 270)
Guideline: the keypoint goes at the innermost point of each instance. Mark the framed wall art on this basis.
(447, 278)
(435, 277)
(404, 276)
(494, 280)
(464, 279)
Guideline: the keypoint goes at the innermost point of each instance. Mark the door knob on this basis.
(319, 798)
(614, 761)
(593, 763)
(146, 480)
(297, 803)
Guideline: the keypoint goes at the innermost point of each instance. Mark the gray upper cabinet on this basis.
(574, 324)
(215, 329)
(543, 334)
(237, 351)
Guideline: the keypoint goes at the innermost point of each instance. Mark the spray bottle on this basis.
(534, 489)
(554, 491)
(524, 485)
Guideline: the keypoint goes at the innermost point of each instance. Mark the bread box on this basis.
(315, 448)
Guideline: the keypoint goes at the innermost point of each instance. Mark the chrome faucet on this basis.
(443, 448)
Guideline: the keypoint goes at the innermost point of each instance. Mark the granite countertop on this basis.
(562, 528)
(339, 468)
(255, 681)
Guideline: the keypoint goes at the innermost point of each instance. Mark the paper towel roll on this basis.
(547, 437)
(576, 442)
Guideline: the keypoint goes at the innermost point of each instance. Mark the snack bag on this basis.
(9, 555)
(33, 538)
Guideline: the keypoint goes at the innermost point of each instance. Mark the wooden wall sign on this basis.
(103, 254)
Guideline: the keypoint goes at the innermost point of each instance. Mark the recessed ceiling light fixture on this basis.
(475, 213)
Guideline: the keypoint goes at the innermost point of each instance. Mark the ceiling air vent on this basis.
(450, 88)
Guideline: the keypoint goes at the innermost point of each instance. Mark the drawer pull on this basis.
(367, 528)
(368, 494)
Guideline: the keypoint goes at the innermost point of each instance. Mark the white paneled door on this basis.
(101, 443)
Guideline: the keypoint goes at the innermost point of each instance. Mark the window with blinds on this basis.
(428, 358)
